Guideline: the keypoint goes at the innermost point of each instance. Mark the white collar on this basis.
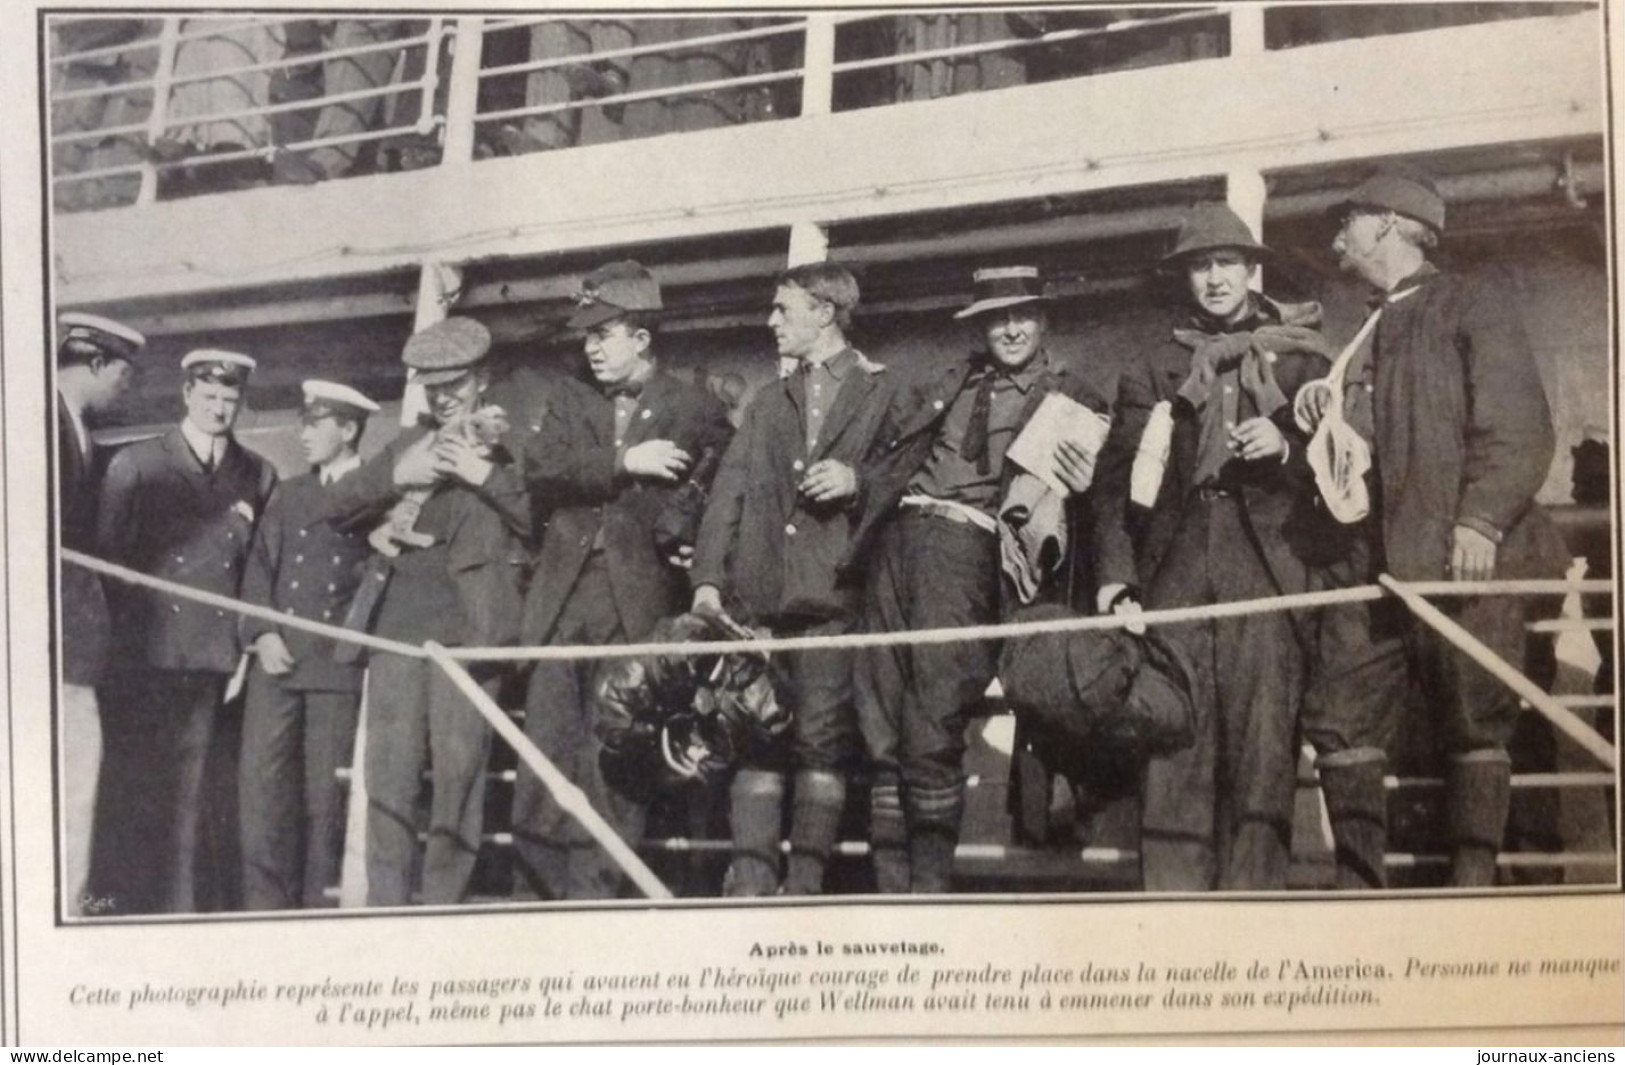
(208, 449)
(339, 467)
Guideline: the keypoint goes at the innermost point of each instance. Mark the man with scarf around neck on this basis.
(929, 499)
(779, 520)
(1446, 391)
(610, 457)
(1233, 519)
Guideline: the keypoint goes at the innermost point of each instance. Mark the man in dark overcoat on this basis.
(1447, 393)
(1233, 518)
(181, 507)
(929, 497)
(456, 582)
(94, 367)
(609, 459)
(301, 702)
(779, 521)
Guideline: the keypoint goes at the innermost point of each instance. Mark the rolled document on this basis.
(1150, 462)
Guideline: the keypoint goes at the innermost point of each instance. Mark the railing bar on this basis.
(152, 42)
(1571, 625)
(630, 51)
(97, 134)
(247, 153)
(645, 94)
(1586, 700)
(103, 90)
(1057, 37)
(297, 105)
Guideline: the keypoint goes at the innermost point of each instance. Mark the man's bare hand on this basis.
(829, 481)
(1258, 438)
(275, 658)
(456, 456)
(1074, 466)
(659, 460)
(1472, 555)
(683, 559)
(707, 600)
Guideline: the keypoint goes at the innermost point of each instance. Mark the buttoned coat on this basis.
(769, 551)
(481, 536)
(1463, 429)
(304, 566)
(85, 622)
(919, 408)
(572, 468)
(1129, 541)
(163, 514)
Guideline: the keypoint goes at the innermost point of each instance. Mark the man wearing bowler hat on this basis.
(610, 459)
(95, 363)
(299, 713)
(779, 520)
(1446, 391)
(181, 507)
(1232, 517)
(454, 579)
(928, 503)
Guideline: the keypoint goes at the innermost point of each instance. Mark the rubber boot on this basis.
(1479, 793)
(933, 833)
(756, 811)
(815, 818)
(1357, 805)
(888, 839)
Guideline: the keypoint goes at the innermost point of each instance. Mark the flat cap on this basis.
(1403, 190)
(613, 290)
(221, 367)
(330, 397)
(114, 339)
(446, 350)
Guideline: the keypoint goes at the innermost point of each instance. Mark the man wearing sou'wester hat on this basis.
(301, 703)
(1447, 393)
(928, 531)
(453, 577)
(181, 507)
(1229, 517)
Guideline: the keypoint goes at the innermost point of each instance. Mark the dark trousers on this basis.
(1373, 657)
(913, 701)
(1219, 812)
(816, 687)
(292, 807)
(416, 717)
(557, 858)
(157, 731)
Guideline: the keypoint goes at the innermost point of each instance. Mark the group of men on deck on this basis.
(1241, 462)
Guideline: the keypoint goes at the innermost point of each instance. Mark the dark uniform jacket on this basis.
(464, 589)
(572, 467)
(85, 624)
(766, 548)
(1130, 541)
(1463, 430)
(163, 514)
(916, 415)
(303, 566)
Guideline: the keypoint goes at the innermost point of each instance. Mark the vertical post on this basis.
(158, 118)
(1245, 191)
(438, 287)
(432, 40)
(1247, 28)
(463, 91)
(809, 243)
(818, 66)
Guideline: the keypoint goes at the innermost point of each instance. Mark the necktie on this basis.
(974, 447)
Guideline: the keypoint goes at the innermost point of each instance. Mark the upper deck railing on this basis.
(162, 108)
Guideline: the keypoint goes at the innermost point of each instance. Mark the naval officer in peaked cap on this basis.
(181, 507)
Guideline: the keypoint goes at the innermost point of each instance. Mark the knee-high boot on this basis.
(815, 818)
(888, 838)
(1357, 804)
(933, 833)
(756, 813)
(1479, 793)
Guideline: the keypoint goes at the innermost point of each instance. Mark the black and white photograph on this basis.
(549, 472)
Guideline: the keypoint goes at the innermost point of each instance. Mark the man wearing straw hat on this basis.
(1446, 391)
(181, 507)
(301, 702)
(95, 363)
(453, 577)
(1230, 518)
(928, 526)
